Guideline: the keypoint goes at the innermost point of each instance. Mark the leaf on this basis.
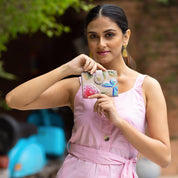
(49, 33)
(3, 103)
(4, 74)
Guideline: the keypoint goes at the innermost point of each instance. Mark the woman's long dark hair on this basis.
(117, 15)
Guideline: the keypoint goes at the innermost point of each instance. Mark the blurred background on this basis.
(38, 36)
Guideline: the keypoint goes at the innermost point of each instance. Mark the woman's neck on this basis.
(119, 66)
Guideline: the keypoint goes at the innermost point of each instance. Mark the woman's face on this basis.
(105, 40)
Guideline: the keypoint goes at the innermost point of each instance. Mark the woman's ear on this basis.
(126, 37)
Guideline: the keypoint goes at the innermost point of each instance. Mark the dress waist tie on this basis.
(103, 157)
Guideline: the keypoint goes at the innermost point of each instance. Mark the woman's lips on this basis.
(103, 52)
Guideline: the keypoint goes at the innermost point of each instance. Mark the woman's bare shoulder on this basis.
(152, 88)
(150, 83)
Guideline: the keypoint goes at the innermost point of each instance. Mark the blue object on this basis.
(44, 117)
(29, 155)
(52, 139)
(26, 157)
(50, 131)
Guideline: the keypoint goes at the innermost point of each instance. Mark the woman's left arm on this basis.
(156, 146)
(157, 123)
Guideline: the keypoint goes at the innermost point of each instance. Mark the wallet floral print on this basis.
(104, 82)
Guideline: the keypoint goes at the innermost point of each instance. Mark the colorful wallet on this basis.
(104, 82)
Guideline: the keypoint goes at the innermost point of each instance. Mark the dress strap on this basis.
(80, 80)
(139, 81)
(103, 157)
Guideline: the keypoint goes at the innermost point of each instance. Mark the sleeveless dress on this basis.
(97, 147)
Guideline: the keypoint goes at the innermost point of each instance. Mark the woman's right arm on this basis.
(34, 94)
(49, 90)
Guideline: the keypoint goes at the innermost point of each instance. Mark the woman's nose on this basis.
(101, 42)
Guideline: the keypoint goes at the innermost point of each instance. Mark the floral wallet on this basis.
(104, 82)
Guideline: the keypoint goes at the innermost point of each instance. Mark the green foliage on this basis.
(163, 1)
(30, 16)
(3, 103)
(4, 74)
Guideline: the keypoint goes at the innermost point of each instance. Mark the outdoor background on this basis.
(153, 45)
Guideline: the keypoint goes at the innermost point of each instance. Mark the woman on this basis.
(108, 132)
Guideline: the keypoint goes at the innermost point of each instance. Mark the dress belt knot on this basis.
(104, 158)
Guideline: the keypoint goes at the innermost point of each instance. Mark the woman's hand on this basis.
(106, 105)
(83, 63)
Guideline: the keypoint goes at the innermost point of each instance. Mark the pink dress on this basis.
(97, 148)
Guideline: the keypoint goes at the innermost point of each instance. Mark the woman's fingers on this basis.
(97, 96)
(102, 104)
(91, 66)
(84, 63)
(102, 107)
(106, 105)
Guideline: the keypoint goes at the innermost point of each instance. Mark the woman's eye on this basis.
(93, 36)
(109, 35)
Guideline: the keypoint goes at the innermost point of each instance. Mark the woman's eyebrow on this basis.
(109, 30)
(91, 32)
